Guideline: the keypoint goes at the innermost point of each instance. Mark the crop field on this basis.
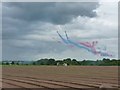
(60, 77)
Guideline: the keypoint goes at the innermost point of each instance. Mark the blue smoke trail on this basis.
(76, 44)
(66, 35)
(64, 40)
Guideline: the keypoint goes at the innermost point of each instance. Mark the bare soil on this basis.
(60, 77)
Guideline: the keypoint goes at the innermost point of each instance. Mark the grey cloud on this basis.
(19, 49)
(13, 28)
(56, 13)
(28, 29)
(18, 17)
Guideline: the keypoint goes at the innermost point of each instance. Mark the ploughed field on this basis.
(59, 77)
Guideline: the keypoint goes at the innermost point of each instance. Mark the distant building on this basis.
(58, 64)
(65, 64)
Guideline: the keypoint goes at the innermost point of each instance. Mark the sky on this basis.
(29, 29)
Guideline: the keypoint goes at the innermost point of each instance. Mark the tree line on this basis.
(68, 61)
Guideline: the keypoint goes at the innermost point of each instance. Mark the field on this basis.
(60, 77)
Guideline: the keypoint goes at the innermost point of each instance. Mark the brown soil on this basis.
(56, 77)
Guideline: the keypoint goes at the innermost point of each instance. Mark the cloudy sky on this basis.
(29, 29)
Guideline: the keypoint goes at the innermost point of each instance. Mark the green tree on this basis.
(34, 63)
(68, 61)
(59, 62)
(7, 63)
(12, 62)
(74, 62)
(51, 62)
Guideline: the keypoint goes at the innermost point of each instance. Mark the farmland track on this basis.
(13, 85)
(56, 78)
(73, 86)
(93, 84)
(29, 83)
(96, 79)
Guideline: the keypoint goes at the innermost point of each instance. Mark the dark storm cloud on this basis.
(56, 13)
(19, 16)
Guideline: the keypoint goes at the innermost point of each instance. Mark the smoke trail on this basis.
(76, 44)
(64, 40)
(85, 45)
(105, 54)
